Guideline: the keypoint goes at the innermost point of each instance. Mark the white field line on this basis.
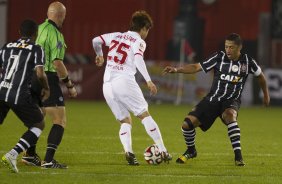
(88, 137)
(130, 175)
(174, 153)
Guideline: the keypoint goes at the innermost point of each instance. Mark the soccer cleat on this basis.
(240, 163)
(11, 162)
(31, 160)
(53, 165)
(187, 155)
(131, 159)
(166, 157)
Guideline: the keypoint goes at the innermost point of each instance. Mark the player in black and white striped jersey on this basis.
(229, 77)
(231, 69)
(18, 61)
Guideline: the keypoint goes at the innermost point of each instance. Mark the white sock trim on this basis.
(126, 125)
(36, 131)
(232, 124)
(28, 145)
(19, 145)
(14, 153)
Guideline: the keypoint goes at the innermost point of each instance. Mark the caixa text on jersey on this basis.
(231, 78)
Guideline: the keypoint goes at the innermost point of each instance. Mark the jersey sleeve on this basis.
(139, 48)
(210, 62)
(2, 55)
(141, 66)
(57, 46)
(255, 68)
(107, 38)
(53, 43)
(39, 57)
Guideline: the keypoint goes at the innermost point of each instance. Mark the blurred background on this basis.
(185, 31)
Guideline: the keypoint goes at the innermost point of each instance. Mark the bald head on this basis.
(57, 13)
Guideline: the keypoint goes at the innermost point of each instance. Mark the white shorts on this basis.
(123, 95)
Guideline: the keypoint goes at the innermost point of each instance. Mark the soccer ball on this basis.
(152, 155)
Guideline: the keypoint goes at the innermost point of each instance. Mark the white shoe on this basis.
(11, 162)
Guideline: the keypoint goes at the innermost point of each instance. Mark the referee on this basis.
(18, 61)
(52, 41)
(231, 69)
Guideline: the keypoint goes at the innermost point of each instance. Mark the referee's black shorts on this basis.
(28, 112)
(207, 111)
(56, 95)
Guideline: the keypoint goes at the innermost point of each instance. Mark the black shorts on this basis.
(29, 113)
(56, 95)
(35, 90)
(207, 111)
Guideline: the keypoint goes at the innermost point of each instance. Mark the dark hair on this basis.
(28, 28)
(235, 38)
(139, 20)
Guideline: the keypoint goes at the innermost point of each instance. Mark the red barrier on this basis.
(88, 80)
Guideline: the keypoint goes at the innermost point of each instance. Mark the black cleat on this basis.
(240, 163)
(53, 165)
(31, 160)
(131, 159)
(166, 157)
(187, 155)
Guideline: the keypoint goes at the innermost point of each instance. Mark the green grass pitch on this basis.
(94, 154)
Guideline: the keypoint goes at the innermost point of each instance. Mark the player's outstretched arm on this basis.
(188, 69)
(263, 85)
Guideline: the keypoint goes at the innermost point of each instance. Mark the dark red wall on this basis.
(227, 16)
(88, 18)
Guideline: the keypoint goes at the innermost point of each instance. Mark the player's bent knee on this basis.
(229, 116)
(62, 123)
(40, 125)
(126, 120)
(191, 122)
(144, 115)
(187, 124)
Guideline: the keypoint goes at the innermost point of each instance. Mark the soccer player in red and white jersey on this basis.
(121, 91)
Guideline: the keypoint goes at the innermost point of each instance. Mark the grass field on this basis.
(92, 150)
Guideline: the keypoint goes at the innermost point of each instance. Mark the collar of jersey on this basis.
(135, 33)
(53, 23)
(26, 39)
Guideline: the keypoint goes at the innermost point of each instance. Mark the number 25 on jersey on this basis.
(121, 51)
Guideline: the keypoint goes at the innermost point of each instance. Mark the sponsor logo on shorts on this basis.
(61, 98)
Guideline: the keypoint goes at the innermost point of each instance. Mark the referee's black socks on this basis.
(54, 140)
